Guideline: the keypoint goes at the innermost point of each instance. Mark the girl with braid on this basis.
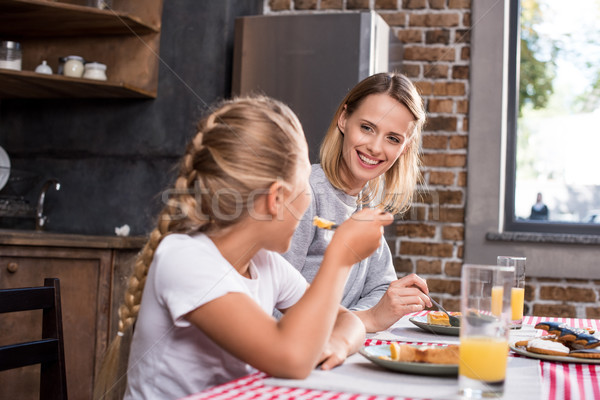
(206, 284)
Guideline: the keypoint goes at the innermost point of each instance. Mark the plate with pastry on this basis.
(437, 322)
(562, 343)
(414, 359)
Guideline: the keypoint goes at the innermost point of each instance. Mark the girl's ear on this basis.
(342, 120)
(275, 198)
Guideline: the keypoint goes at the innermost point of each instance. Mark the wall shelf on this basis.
(126, 39)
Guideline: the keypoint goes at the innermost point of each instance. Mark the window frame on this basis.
(511, 224)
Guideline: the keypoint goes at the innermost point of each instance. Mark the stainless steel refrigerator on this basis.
(309, 61)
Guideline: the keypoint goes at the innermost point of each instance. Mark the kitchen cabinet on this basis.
(93, 272)
(126, 38)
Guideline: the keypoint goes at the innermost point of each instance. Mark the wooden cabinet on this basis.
(126, 38)
(92, 275)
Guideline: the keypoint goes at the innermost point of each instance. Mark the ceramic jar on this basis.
(73, 66)
(95, 70)
(10, 55)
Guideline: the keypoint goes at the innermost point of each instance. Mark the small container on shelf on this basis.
(73, 66)
(43, 68)
(10, 55)
(95, 70)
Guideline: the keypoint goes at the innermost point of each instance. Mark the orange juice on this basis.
(483, 358)
(517, 298)
(497, 294)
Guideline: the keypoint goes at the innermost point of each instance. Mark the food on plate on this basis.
(440, 318)
(323, 223)
(574, 338)
(586, 353)
(545, 346)
(424, 354)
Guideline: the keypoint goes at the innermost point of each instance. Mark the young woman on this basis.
(370, 156)
(204, 287)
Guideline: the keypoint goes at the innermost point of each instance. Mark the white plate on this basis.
(567, 359)
(373, 354)
(421, 322)
(4, 167)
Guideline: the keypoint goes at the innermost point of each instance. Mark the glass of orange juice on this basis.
(518, 289)
(484, 328)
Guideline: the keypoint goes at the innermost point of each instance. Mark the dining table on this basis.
(360, 379)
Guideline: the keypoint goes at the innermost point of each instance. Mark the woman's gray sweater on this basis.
(369, 279)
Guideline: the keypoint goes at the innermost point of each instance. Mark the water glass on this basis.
(484, 329)
(518, 289)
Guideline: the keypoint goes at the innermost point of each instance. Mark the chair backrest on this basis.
(49, 351)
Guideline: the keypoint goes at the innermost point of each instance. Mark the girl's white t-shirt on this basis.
(171, 358)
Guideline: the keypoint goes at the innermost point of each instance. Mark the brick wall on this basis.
(428, 240)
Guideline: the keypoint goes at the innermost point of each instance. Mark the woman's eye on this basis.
(395, 139)
(366, 128)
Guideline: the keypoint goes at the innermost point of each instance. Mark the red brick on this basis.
(357, 4)
(459, 4)
(444, 286)
(462, 179)
(414, 4)
(451, 304)
(554, 310)
(415, 230)
(462, 106)
(462, 36)
(394, 19)
(573, 280)
(449, 196)
(278, 5)
(441, 178)
(429, 53)
(529, 292)
(592, 312)
(437, 4)
(440, 105)
(411, 70)
(386, 4)
(437, 36)
(453, 233)
(465, 124)
(444, 160)
(436, 71)
(415, 213)
(440, 124)
(453, 268)
(429, 267)
(332, 4)
(435, 142)
(448, 89)
(460, 251)
(403, 265)
(460, 72)
(410, 35)
(447, 214)
(568, 294)
(426, 249)
(305, 4)
(465, 53)
(458, 142)
(467, 19)
(435, 20)
(424, 88)
(548, 279)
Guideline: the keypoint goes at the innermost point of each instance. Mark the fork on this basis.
(454, 321)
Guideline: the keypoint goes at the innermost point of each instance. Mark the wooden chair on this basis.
(49, 351)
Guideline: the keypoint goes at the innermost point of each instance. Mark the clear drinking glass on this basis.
(484, 329)
(518, 289)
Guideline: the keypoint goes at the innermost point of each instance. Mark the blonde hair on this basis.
(394, 189)
(242, 147)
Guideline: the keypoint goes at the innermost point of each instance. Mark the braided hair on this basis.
(242, 147)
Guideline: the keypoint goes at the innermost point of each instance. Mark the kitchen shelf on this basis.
(126, 39)
(30, 18)
(27, 85)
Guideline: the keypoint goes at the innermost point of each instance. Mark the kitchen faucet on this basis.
(40, 218)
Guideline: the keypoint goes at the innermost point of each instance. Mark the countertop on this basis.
(35, 238)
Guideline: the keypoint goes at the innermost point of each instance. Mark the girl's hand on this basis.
(334, 353)
(359, 236)
(403, 296)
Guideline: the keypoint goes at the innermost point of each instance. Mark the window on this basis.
(553, 148)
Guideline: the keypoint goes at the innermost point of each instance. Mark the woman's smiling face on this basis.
(375, 135)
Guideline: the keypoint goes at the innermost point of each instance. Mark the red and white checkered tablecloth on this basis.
(559, 380)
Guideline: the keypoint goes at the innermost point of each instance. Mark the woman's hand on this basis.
(403, 296)
(347, 337)
(359, 236)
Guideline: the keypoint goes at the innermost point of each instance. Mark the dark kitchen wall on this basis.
(113, 157)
